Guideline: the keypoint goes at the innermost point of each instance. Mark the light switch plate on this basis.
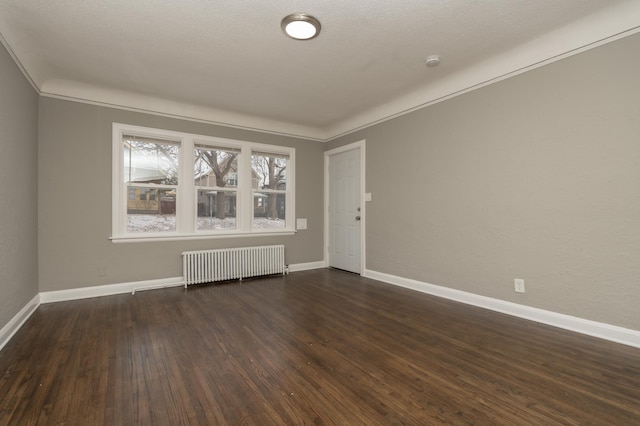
(301, 224)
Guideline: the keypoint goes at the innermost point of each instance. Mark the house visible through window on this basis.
(150, 165)
(270, 193)
(217, 192)
(175, 185)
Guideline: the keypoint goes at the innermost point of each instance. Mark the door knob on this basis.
(357, 217)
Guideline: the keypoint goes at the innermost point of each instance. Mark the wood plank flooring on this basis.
(316, 347)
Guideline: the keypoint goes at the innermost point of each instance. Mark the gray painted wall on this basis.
(74, 207)
(536, 177)
(18, 190)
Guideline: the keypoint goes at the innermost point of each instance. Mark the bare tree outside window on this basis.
(151, 161)
(151, 175)
(271, 172)
(212, 168)
(169, 185)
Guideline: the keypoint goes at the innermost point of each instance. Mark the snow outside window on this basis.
(215, 171)
(270, 195)
(173, 185)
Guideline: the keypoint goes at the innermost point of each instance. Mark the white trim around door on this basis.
(360, 145)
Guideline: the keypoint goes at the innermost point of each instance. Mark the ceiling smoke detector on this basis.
(433, 61)
(300, 26)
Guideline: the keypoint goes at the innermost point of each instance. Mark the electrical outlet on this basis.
(519, 284)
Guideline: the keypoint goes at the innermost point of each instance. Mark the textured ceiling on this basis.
(228, 61)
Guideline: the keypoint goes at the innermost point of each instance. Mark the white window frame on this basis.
(186, 197)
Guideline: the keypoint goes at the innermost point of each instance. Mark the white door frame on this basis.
(352, 146)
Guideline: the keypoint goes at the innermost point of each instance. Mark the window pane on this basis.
(237, 187)
(150, 161)
(269, 210)
(151, 209)
(269, 171)
(215, 167)
(216, 210)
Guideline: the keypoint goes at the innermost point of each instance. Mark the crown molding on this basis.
(590, 32)
(22, 69)
(583, 35)
(124, 100)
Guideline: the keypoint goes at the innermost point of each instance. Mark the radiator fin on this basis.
(205, 266)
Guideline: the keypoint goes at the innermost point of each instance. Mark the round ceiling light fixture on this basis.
(300, 26)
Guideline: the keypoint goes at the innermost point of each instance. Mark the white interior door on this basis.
(345, 211)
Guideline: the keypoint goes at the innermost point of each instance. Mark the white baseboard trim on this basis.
(107, 290)
(605, 331)
(133, 287)
(592, 328)
(12, 327)
(296, 267)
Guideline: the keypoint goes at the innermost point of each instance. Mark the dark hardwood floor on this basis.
(315, 347)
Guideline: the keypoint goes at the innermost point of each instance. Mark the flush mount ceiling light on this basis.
(300, 26)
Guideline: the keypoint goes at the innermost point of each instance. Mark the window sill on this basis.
(185, 237)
